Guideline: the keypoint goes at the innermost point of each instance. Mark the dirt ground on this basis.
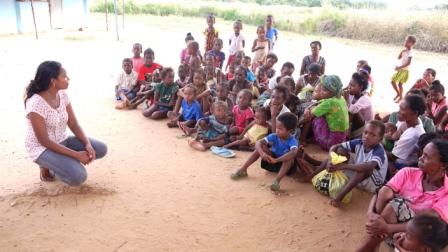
(152, 192)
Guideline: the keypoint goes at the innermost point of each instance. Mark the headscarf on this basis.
(332, 83)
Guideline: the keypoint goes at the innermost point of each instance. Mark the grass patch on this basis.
(382, 26)
(78, 37)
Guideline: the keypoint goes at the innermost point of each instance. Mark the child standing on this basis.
(137, 60)
(236, 42)
(125, 90)
(184, 53)
(254, 131)
(210, 33)
(191, 112)
(216, 53)
(278, 151)
(271, 32)
(260, 48)
(164, 96)
(193, 60)
(212, 130)
(401, 75)
(242, 112)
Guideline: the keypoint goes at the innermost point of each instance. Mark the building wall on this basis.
(8, 20)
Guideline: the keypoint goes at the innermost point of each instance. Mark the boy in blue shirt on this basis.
(277, 150)
(191, 111)
(271, 32)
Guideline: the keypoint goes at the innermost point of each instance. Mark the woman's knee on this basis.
(100, 148)
(77, 176)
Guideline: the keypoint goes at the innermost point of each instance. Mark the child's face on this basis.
(262, 75)
(209, 60)
(281, 130)
(260, 117)
(239, 75)
(243, 100)
(149, 59)
(220, 111)
(246, 62)
(435, 96)
(232, 68)
(277, 97)
(198, 79)
(210, 22)
(284, 82)
(359, 65)
(409, 241)
(354, 88)
(287, 71)
(217, 45)
(127, 67)
(371, 136)
(191, 48)
(190, 96)
(169, 79)
(428, 77)
(182, 72)
(221, 92)
(390, 128)
(408, 43)
(136, 50)
(315, 49)
(269, 22)
(238, 59)
(261, 34)
(270, 62)
(237, 28)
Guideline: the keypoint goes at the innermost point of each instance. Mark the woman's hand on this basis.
(83, 157)
(91, 151)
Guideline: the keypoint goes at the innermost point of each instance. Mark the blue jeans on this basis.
(68, 169)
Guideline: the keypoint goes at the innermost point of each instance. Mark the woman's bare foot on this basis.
(196, 145)
(335, 203)
(45, 175)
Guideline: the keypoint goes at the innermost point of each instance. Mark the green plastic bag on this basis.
(330, 183)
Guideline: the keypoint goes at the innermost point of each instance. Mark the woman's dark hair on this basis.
(431, 72)
(442, 146)
(361, 80)
(283, 90)
(416, 92)
(165, 71)
(436, 86)
(416, 103)
(189, 37)
(46, 71)
(433, 231)
(316, 43)
(289, 120)
(425, 139)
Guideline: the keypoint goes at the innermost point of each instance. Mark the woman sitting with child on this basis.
(411, 191)
(329, 117)
(48, 113)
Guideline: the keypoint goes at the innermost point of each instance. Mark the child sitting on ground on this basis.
(287, 70)
(222, 94)
(260, 48)
(238, 83)
(164, 96)
(401, 75)
(217, 54)
(438, 103)
(425, 232)
(191, 112)
(271, 60)
(146, 92)
(278, 151)
(292, 102)
(254, 131)
(242, 113)
(182, 73)
(125, 90)
(428, 77)
(388, 143)
(368, 168)
(149, 66)
(211, 130)
(231, 71)
(262, 81)
(137, 60)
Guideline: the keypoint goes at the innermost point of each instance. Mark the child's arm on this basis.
(254, 48)
(286, 157)
(270, 45)
(180, 93)
(219, 137)
(408, 62)
(276, 35)
(364, 167)
(205, 93)
(438, 117)
(259, 147)
(443, 123)
(246, 129)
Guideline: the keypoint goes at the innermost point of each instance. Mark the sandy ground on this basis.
(152, 192)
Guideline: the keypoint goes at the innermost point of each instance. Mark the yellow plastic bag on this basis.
(330, 183)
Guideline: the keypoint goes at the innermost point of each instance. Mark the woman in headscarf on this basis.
(329, 116)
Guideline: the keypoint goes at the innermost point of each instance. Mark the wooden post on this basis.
(107, 11)
(124, 11)
(34, 19)
(116, 19)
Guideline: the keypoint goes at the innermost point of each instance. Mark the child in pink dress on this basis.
(242, 112)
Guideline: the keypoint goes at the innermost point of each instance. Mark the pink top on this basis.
(241, 117)
(137, 63)
(363, 106)
(183, 55)
(408, 184)
(437, 107)
(55, 122)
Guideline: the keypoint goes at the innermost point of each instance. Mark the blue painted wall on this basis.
(8, 20)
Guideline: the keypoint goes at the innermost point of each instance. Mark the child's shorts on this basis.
(366, 185)
(276, 167)
(131, 95)
(401, 76)
(165, 108)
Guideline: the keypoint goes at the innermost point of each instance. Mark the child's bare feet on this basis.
(196, 145)
(120, 105)
(45, 175)
(335, 203)
(171, 124)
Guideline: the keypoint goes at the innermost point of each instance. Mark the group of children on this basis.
(245, 105)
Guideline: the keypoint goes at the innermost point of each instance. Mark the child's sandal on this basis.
(275, 186)
(238, 175)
